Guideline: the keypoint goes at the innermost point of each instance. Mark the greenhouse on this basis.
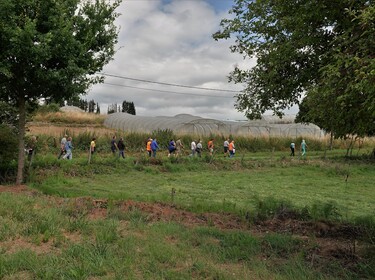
(189, 124)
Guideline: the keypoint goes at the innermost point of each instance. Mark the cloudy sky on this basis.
(171, 42)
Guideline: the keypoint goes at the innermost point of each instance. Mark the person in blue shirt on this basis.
(171, 147)
(154, 147)
(68, 149)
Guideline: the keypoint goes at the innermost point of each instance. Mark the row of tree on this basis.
(125, 107)
(87, 106)
(93, 107)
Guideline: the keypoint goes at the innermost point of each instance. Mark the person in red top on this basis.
(231, 149)
(210, 146)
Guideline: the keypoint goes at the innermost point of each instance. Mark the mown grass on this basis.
(40, 239)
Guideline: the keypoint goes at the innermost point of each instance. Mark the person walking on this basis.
(226, 147)
(231, 149)
(210, 146)
(62, 146)
(179, 147)
(114, 147)
(292, 148)
(148, 147)
(68, 149)
(193, 147)
(199, 148)
(154, 147)
(303, 148)
(171, 147)
(121, 148)
(93, 146)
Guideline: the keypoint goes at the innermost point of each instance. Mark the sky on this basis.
(170, 42)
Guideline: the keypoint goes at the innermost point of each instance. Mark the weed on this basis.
(325, 211)
(279, 245)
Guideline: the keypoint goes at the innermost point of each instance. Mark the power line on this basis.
(166, 84)
(174, 92)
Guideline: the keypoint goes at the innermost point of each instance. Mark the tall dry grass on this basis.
(70, 118)
(59, 130)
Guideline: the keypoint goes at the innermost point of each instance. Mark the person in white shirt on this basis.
(193, 148)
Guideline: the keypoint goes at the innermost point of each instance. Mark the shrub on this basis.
(50, 108)
(8, 153)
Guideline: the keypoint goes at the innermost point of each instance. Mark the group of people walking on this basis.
(303, 148)
(197, 147)
(229, 148)
(118, 146)
(66, 147)
(174, 147)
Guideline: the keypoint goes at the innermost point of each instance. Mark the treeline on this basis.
(87, 106)
(125, 107)
(93, 107)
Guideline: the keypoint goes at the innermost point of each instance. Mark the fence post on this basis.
(89, 155)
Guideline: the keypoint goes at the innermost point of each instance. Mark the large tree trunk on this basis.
(21, 140)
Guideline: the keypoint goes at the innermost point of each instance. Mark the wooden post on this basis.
(89, 154)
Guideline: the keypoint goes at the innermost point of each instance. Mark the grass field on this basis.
(223, 185)
(190, 218)
(57, 239)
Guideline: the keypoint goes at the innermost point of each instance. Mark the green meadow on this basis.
(221, 184)
(255, 216)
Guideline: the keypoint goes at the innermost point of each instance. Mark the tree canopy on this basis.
(51, 49)
(317, 51)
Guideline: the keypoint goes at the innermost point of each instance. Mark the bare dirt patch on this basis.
(14, 188)
(167, 212)
(13, 246)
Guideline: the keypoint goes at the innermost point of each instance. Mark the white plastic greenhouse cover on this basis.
(189, 124)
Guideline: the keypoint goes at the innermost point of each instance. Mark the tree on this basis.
(83, 104)
(112, 108)
(128, 107)
(125, 106)
(132, 108)
(8, 115)
(97, 108)
(321, 51)
(51, 49)
(92, 105)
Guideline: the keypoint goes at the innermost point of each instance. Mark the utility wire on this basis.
(174, 92)
(166, 84)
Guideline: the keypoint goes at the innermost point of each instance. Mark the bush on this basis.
(50, 108)
(8, 153)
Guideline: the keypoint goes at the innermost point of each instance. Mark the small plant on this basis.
(279, 245)
(325, 211)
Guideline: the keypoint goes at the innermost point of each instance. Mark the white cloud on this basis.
(170, 43)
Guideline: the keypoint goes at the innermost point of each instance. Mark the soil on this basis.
(326, 241)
